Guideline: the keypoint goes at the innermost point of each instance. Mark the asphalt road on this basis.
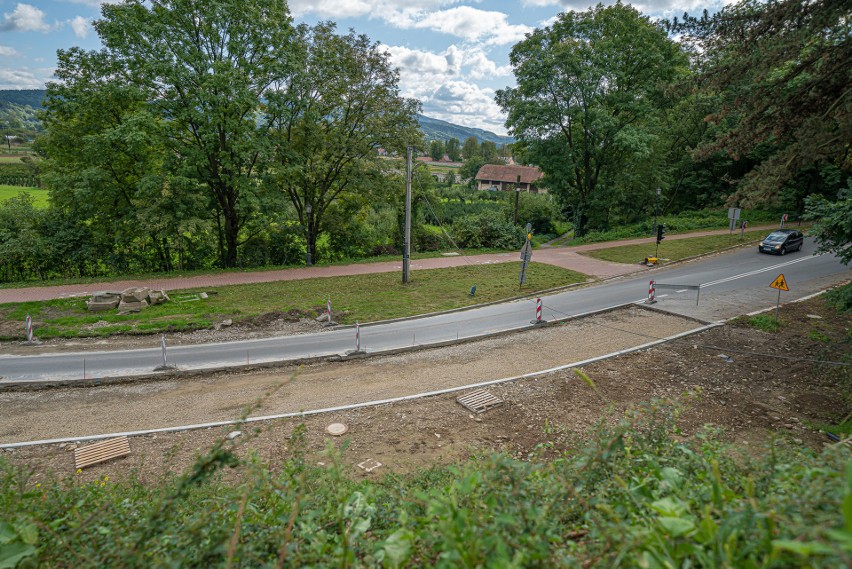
(730, 284)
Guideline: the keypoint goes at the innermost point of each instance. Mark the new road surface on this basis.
(712, 288)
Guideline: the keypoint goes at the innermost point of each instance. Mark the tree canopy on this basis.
(331, 118)
(589, 88)
(211, 112)
(781, 73)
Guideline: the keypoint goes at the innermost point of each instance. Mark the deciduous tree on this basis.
(782, 72)
(589, 87)
(206, 68)
(454, 149)
(331, 116)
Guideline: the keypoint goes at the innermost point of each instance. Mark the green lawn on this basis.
(364, 298)
(675, 249)
(10, 159)
(41, 197)
(444, 169)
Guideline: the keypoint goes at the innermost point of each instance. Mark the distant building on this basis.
(497, 177)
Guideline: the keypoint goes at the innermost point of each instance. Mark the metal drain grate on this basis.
(479, 401)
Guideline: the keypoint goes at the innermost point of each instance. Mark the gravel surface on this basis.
(71, 412)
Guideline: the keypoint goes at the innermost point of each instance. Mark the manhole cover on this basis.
(336, 429)
(478, 401)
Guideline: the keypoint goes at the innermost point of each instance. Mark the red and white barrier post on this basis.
(652, 293)
(537, 312)
(328, 308)
(357, 337)
(29, 328)
(163, 344)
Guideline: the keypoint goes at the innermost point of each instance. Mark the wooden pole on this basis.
(406, 254)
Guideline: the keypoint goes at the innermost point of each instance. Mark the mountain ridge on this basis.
(436, 129)
(433, 129)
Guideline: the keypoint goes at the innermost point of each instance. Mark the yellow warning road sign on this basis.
(780, 283)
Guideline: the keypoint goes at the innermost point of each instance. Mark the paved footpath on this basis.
(565, 257)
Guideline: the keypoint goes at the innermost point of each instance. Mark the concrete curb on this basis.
(177, 373)
(360, 405)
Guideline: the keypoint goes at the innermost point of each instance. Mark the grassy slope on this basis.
(674, 250)
(363, 297)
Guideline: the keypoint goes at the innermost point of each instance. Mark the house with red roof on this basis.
(500, 177)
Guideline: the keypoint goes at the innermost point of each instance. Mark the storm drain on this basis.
(479, 401)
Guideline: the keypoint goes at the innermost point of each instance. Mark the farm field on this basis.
(40, 197)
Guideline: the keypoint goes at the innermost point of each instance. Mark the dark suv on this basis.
(782, 241)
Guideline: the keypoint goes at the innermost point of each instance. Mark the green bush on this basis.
(765, 322)
(632, 497)
(540, 211)
(840, 298)
(487, 229)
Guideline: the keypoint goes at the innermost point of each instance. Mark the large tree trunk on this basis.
(232, 228)
(581, 220)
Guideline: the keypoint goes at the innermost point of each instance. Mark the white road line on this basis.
(758, 271)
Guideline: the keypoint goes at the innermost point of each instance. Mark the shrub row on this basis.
(633, 497)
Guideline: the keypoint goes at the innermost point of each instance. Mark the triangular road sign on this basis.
(780, 283)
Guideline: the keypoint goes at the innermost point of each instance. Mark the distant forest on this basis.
(18, 112)
(23, 97)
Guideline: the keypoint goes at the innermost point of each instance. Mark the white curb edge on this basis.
(361, 405)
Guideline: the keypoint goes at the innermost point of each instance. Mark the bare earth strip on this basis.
(77, 412)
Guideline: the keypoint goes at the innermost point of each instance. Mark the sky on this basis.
(453, 55)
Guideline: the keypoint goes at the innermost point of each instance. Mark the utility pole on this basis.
(657, 207)
(406, 253)
(308, 210)
(517, 193)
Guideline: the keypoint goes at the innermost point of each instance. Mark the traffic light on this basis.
(661, 232)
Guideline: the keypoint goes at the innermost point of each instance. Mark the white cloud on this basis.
(470, 24)
(665, 8)
(7, 51)
(418, 66)
(416, 63)
(443, 83)
(19, 79)
(389, 10)
(473, 25)
(463, 102)
(80, 25)
(483, 68)
(24, 18)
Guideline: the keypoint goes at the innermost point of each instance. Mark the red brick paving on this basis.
(565, 257)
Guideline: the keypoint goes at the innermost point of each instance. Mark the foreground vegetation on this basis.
(632, 497)
(362, 298)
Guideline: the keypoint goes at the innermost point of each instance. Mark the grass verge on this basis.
(364, 298)
(675, 249)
